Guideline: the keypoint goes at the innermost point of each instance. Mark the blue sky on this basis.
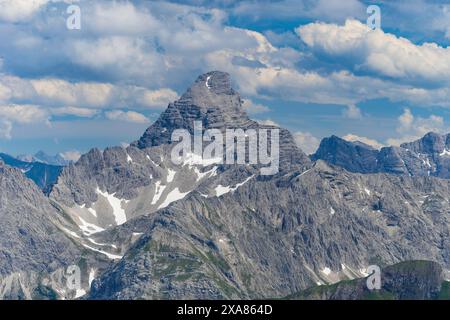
(313, 67)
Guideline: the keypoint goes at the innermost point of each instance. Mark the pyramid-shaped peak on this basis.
(212, 89)
(216, 82)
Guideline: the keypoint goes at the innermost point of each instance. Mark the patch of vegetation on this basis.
(445, 291)
(218, 261)
(166, 266)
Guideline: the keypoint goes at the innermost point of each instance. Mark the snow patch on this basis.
(445, 153)
(221, 190)
(116, 204)
(332, 212)
(102, 244)
(153, 162)
(159, 189)
(89, 228)
(201, 175)
(191, 159)
(170, 175)
(326, 271)
(173, 196)
(79, 293)
(367, 191)
(129, 159)
(93, 212)
(109, 255)
(73, 234)
(91, 276)
(363, 271)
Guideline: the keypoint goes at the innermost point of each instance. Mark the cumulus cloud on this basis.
(411, 128)
(56, 92)
(371, 142)
(19, 10)
(5, 129)
(352, 112)
(157, 98)
(72, 155)
(306, 141)
(374, 50)
(268, 122)
(254, 108)
(23, 113)
(129, 116)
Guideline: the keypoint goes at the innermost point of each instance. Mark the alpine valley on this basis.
(140, 227)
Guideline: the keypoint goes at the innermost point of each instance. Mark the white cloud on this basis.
(5, 129)
(306, 141)
(411, 128)
(74, 111)
(72, 155)
(19, 10)
(371, 142)
(23, 113)
(352, 112)
(254, 108)
(157, 98)
(129, 116)
(120, 19)
(268, 122)
(377, 51)
(53, 93)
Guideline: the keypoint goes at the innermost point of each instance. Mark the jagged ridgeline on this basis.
(142, 227)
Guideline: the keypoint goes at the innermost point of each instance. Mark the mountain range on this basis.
(139, 226)
(43, 174)
(42, 157)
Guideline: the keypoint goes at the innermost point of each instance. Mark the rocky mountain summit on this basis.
(411, 280)
(149, 228)
(428, 156)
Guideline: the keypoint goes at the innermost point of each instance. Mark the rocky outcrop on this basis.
(409, 280)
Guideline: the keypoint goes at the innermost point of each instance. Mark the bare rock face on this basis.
(409, 280)
(428, 156)
(30, 242)
(43, 174)
(270, 238)
(152, 229)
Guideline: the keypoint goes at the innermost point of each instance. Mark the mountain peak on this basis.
(210, 99)
(431, 143)
(213, 91)
(214, 82)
